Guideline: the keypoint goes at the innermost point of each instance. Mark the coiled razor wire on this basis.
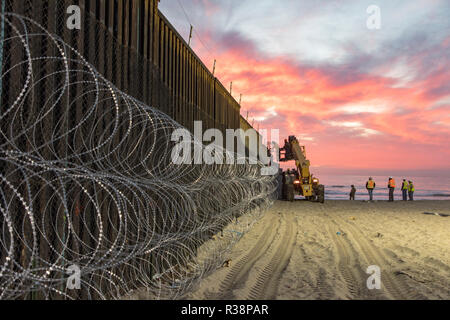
(86, 180)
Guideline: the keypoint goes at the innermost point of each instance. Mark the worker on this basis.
(370, 186)
(352, 193)
(290, 185)
(280, 184)
(405, 187)
(411, 190)
(391, 186)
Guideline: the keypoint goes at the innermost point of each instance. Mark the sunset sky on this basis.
(357, 98)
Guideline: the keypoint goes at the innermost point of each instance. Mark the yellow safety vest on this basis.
(411, 188)
(370, 184)
(405, 186)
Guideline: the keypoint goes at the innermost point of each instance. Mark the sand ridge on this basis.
(305, 250)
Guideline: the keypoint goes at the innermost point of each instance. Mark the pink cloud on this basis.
(355, 120)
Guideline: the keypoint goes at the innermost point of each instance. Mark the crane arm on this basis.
(301, 162)
(307, 186)
(293, 151)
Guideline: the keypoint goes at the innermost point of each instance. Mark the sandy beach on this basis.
(305, 250)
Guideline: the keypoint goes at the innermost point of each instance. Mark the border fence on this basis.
(135, 47)
(84, 148)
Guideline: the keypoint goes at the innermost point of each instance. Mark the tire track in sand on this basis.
(323, 289)
(266, 283)
(346, 259)
(239, 271)
(395, 287)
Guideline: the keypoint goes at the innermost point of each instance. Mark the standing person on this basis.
(405, 189)
(352, 193)
(290, 186)
(411, 190)
(370, 186)
(391, 186)
(280, 184)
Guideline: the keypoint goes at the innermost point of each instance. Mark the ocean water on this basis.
(427, 188)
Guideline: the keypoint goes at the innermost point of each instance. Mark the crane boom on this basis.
(305, 183)
(301, 162)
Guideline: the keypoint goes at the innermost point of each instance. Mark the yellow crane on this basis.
(303, 182)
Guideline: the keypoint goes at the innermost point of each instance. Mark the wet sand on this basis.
(312, 251)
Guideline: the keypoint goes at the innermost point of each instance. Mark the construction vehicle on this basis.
(304, 183)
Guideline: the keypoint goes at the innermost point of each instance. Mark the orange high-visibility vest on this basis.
(370, 184)
(392, 183)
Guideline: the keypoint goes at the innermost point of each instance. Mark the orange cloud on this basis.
(348, 119)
